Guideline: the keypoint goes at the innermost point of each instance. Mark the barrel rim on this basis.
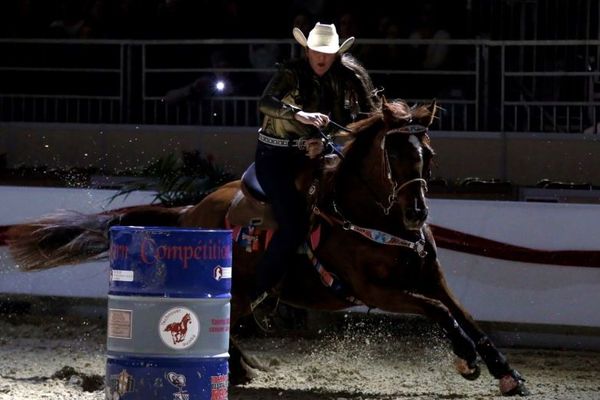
(166, 228)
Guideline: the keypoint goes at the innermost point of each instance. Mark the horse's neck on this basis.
(359, 189)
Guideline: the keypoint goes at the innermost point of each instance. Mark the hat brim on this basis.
(300, 38)
(346, 45)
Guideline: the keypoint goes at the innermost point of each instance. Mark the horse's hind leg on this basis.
(511, 382)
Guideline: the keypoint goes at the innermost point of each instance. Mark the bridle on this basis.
(396, 188)
(375, 235)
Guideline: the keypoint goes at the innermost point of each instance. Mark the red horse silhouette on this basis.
(179, 329)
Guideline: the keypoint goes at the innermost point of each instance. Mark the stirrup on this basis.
(264, 312)
(258, 300)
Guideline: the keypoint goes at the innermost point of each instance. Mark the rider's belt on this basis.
(299, 143)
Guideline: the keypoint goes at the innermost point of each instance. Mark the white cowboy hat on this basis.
(323, 38)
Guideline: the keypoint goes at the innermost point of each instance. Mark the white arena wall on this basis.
(492, 289)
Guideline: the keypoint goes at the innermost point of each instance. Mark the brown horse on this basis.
(373, 245)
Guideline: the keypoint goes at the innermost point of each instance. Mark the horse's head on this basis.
(396, 165)
(406, 158)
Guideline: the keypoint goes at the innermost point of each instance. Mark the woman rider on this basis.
(302, 97)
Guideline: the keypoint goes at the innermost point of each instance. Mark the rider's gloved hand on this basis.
(316, 119)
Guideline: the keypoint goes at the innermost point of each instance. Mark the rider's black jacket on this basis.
(344, 93)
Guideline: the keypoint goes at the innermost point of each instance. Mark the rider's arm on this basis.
(271, 103)
(281, 85)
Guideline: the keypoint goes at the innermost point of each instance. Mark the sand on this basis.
(49, 356)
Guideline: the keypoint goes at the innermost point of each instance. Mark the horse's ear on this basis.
(387, 111)
(432, 108)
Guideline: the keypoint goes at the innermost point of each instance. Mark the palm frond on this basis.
(179, 181)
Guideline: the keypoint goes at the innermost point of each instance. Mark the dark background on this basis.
(161, 19)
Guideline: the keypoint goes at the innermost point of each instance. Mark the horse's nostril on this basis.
(417, 214)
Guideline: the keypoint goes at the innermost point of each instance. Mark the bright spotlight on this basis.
(220, 86)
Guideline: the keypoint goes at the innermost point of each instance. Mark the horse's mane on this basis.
(363, 130)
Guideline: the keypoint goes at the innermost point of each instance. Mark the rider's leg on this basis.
(276, 170)
(289, 210)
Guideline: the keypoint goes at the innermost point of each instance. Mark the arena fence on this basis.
(482, 85)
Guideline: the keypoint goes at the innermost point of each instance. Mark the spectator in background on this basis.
(303, 21)
(262, 57)
(432, 56)
(171, 19)
(69, 20)
(348, 25)
(214, 84)
(94, 25)
(389, 56)
(351, 26)
(21, 19)
(231, 20)
(127, 18)
(382, 25)
(312, 7)
(223, 82)
(392, 56)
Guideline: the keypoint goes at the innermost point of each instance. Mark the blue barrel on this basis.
(168, 313)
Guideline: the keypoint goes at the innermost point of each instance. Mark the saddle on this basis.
(250, 206)
(252, 218)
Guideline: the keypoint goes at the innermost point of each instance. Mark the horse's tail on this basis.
(68, 237)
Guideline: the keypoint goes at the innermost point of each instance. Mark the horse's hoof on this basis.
(251, 363)
(237, 380)
(243, 374)
(513, 384)
(470, 373)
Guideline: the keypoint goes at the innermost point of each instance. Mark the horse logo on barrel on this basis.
(179, 328)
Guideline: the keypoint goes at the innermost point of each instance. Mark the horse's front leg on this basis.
(396, 301)
(511, 382)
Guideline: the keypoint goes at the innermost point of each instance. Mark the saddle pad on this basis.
(245, 211)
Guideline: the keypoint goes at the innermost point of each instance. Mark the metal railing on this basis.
(63, 81)
(549, 86)
(507, 86)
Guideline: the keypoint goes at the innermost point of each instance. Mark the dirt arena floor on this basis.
(49, 356)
